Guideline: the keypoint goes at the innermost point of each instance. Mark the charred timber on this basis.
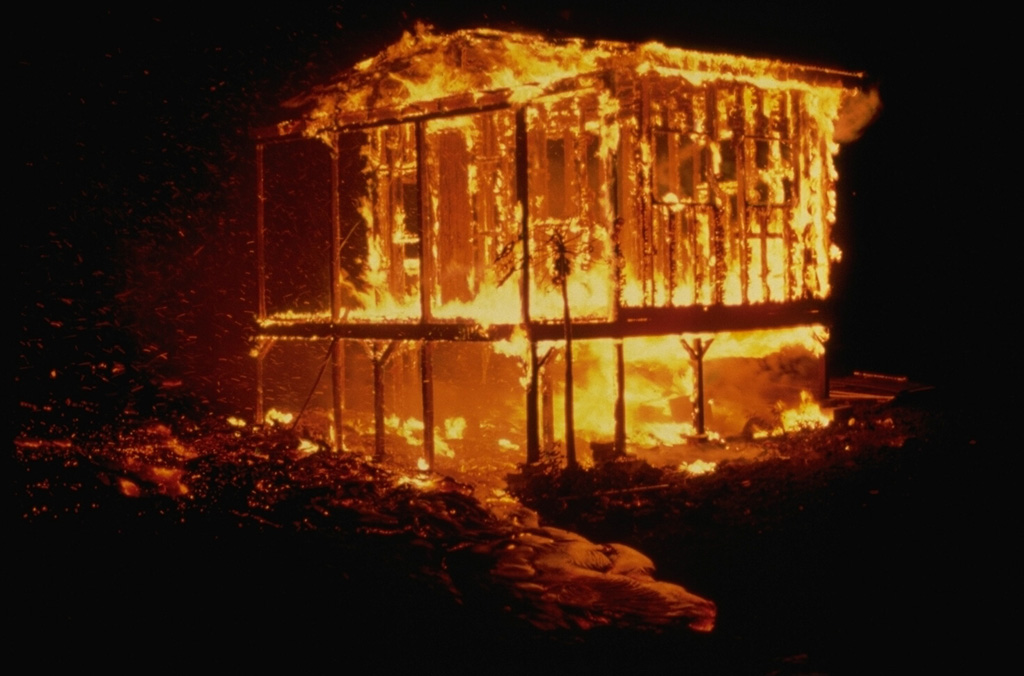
(632, 322)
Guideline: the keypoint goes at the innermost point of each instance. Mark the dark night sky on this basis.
(135, 181)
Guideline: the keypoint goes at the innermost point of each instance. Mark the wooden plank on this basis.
(646, 321)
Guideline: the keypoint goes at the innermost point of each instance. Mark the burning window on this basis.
(491, 194)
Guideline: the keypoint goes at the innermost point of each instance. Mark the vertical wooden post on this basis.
(796, 154)
(426, 286)
(620, 399)
(570, 418)
(523, 197)
(379, 355)
(427, 271)
(338, 348)
(262, 349)
(378, 404)
(533, 443)
(697, 352)
(670, 244)
(620, 264)
(700, 388)
(645, 197)
(427, 383)
(620, 366)
(823, 385)
(744, 165)
(547, 406)
(337, 392)
(258, 412)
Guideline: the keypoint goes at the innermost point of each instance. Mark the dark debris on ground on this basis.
(824, 555)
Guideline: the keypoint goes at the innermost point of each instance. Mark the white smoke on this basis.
(858, 111)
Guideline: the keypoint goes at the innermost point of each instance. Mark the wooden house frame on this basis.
(693, 194)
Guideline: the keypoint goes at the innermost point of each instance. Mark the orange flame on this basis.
(656, 178)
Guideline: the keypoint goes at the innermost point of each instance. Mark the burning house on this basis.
(537, 241)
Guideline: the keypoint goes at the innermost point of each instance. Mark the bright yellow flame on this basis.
(276, 417)
(454, 428)
(410, 429)
(698, 467)
(805, 416)
(660, 383)
(442, 448)
(307, 447)
(417, 482)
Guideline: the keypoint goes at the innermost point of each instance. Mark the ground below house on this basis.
(848, 550)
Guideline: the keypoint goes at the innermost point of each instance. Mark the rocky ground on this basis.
(845, 550)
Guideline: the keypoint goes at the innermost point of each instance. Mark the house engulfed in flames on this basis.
(442, 219)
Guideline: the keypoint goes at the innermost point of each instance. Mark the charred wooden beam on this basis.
(459, 104)
(427, 273)
(797, 157)
(427, 385)
(389, 331)
(532, 419)
(699, 319)
(337, 392)
(644, 206)
(379, 354)
(337, 347)
(523, 196)
(288, 130)
(570, 421)
(697, 352)
(456, 106)
(263, 348)
(378, 409)
(620, 400)
(547, 397)
(632, 322)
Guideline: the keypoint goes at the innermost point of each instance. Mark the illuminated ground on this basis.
(821, 553)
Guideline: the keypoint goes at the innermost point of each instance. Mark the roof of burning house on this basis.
(426, 74)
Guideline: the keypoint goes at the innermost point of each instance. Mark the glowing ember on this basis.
(698, 467)
(276, 417)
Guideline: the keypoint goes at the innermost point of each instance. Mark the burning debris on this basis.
(238, 527)
(266, 480)
(631, 239)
